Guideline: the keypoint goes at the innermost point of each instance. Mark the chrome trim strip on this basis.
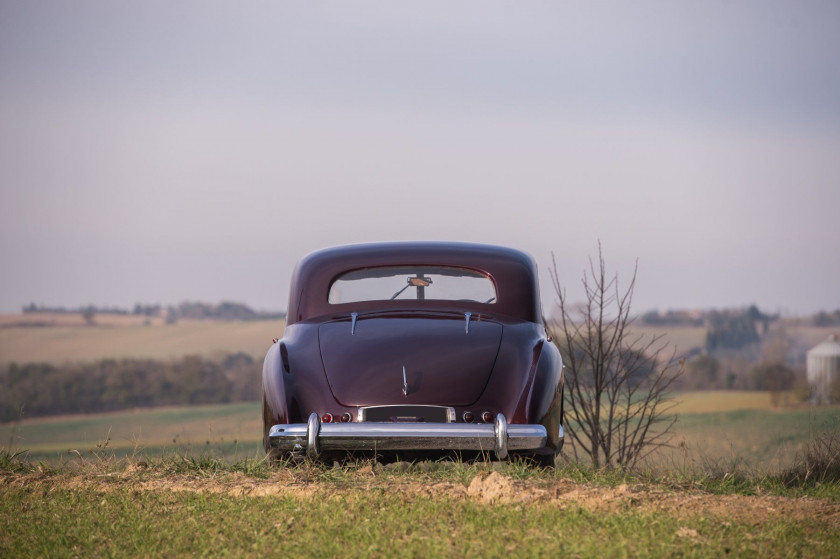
(318, 437)
(467, 316)
(405, 383)
(353, 317)
(313, 429)
(501, 430)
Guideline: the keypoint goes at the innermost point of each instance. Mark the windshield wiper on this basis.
(397, 294)
(418, 281)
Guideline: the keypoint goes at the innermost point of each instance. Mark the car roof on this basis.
(513, 272)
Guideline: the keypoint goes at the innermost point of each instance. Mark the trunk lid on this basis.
(444, 365)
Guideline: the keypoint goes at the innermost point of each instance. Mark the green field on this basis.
(192, 481)
(231, 429)
(61, 344)
(714, 429)
(377, 522)
(744, 441)
(183, 505)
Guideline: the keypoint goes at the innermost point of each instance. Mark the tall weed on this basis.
(818, 463)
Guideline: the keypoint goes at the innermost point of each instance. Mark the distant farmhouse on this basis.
(823, 369)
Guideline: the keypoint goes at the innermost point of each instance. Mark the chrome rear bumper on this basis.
(315, 437)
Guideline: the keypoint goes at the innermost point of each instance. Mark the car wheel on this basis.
(272, 454)
(546, 461)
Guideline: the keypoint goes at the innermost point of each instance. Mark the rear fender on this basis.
(294, 380)
(546, 404)
(273, 387)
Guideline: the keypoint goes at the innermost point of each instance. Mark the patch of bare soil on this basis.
(491, 489)
(496, 488)
(752, 510)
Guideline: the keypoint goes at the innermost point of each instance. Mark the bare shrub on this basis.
(617, 382)
(819, 462)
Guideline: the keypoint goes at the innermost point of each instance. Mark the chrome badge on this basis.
(405, 383)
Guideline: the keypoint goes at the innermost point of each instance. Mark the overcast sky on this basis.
(164, 151)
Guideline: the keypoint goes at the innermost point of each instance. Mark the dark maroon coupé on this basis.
(398, 347)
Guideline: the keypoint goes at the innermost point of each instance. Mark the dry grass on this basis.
(713, 401)
(731, 440)
(818, 463)
(227, 428)
(683, 338)
(33, 320)
(61, 344)
(744, 442)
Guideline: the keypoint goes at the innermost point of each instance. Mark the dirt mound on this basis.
(496, 488)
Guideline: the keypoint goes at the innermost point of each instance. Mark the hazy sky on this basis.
(163, 151)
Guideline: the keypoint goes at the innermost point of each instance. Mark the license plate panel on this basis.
(407, 414)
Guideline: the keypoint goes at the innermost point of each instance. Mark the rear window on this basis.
(431, 283)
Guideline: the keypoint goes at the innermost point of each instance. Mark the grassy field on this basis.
(196, 507)
(194, 482)
(708, 401)
(226, 429)
(743, 441)
(683, 338)
(716, 429)
(729, 427)
(42, 319)
(60, 344)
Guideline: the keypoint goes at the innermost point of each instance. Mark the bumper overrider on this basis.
(315, 437)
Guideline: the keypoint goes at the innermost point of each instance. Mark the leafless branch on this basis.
(617, 405)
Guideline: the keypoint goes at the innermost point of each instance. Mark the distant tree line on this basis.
(33, 308)
(734, 330)
(147, 310)
(225, 310)
(41, 389)
(823, 318)
(730, 331)
(673, 318)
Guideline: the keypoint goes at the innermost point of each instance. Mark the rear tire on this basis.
(545, 461)
(273, 455)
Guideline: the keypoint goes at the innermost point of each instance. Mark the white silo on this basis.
(823, 369)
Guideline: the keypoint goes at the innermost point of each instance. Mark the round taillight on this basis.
(487, 417)
(468, 416)
(327, 418)
(346, 417)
